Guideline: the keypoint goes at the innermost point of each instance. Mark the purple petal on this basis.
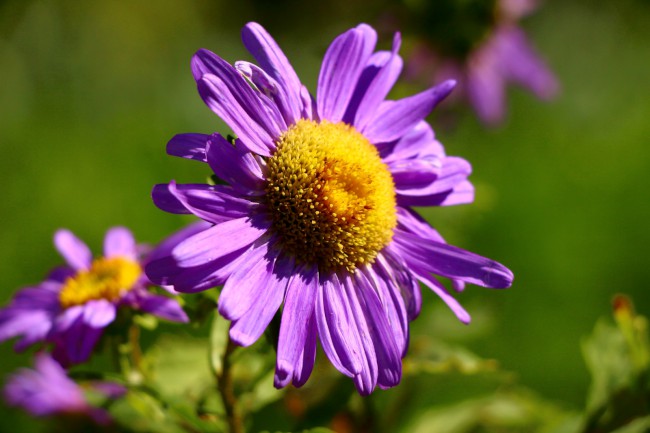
(190, 146)
(296, 314)
(453, 172)
(196, 279)
(419, 141)
(424, 255)
(342, 66)
(163, 307)
(165, 247)
(213, 203)
(396, 118)
(230, 96)
(305, 364)
(218, 241)
(388, 290)
(463, 193)
(339, 338)
(440, 290)
(245, 285)
(249, 327)
(165, 200)
(377, 79)
(235, 165)
(485, 86)
(99, 313)
(75, 345)
(522, 64)
(409, 286)
(366, 380)
(273, 61)
(119, 241)
(387, 350)
(74, 251)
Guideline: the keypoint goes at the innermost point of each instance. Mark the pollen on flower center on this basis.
(107, 278)
(331, 198)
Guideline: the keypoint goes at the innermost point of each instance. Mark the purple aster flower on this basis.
(71, 308)
(498, 55)
(315, 219)
(47, 390)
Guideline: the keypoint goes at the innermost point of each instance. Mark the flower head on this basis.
(487, 51)
(316, 215)
(71, 308)
(46, 390)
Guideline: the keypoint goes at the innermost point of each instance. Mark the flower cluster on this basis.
(311, 221)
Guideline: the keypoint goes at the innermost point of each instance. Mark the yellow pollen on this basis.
(107, 278)
(331, 198)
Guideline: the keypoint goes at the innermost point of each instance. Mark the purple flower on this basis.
(71, 308)
(316, 214)
(502, 56)
(47, 390)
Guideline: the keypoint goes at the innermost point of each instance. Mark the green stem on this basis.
(227, 391)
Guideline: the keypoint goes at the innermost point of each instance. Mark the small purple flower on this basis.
(71, 308)
(316, 216)
(47, 390)
(502, 56)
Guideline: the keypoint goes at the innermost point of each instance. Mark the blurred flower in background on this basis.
(71, 308)
(46, 390)
(479, 43)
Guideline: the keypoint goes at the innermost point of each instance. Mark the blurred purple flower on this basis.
(71, 308)
(46, 390)
(317, 214)
(503, 56)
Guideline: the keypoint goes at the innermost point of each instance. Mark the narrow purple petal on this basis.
(218, 241)
(77, 342)
(522, 64)
(409, 286)
(165, 200)
(387, 350)
(245, 285)
(342, 66)
(190, 146)
(419, 141)
(296, 314)
(339, 338)
(165, 247)
(119, 241)
(75, 252)
(377, 79)
(235, 164)
(213, 203)
(396, 118)
(440, 290)
(163, 307)
(273, 61)
(99, 313)
(231, 97)
(451, 262)
(485, 87)
(308, 356)
(366, 379)
(248, 328)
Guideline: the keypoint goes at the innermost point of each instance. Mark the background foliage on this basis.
(90, 92)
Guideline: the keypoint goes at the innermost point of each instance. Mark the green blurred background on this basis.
(90, 92)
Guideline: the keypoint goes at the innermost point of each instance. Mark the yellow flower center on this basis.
(331, 198)
(107, 278)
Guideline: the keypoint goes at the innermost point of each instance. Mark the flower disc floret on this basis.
(331, 198)
(107, 278)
